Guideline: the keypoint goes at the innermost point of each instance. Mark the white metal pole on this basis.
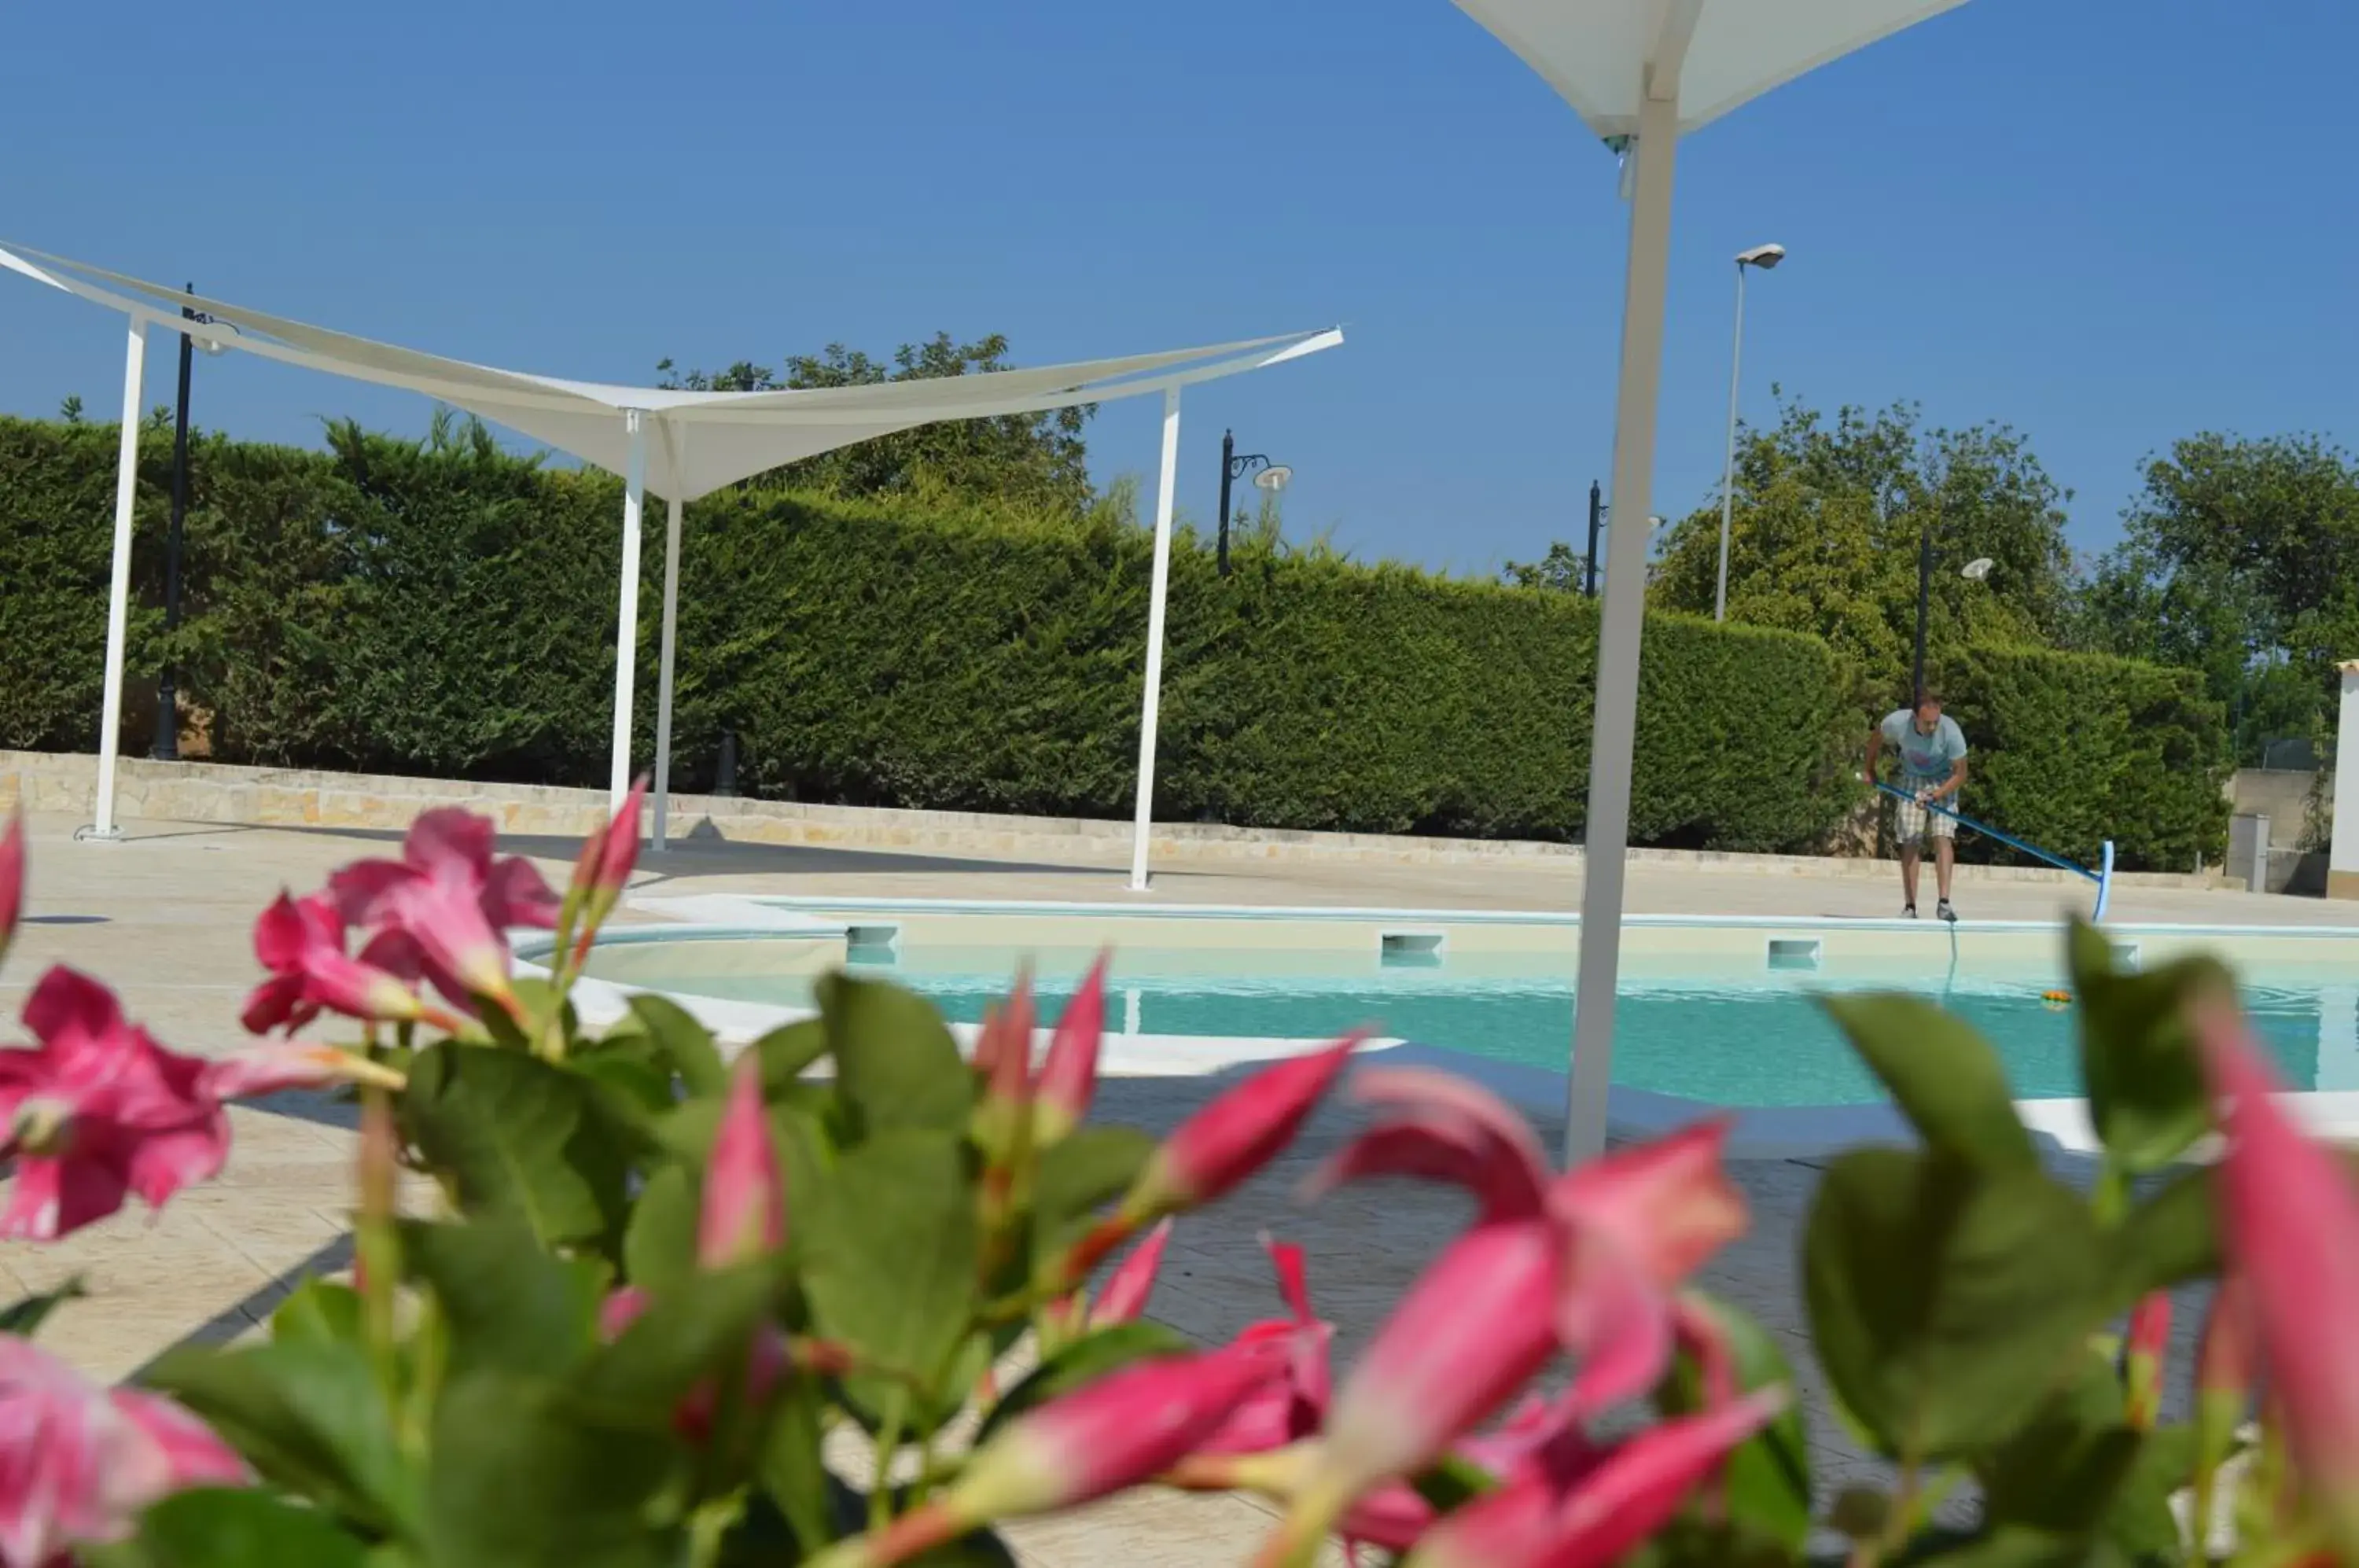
(670, 637)
(118, 592)
(1728, 468)
(1164, 492)
(2342, 843)
(626, 623)
(1614, 734)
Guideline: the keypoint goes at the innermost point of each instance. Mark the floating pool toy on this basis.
(2057, 998)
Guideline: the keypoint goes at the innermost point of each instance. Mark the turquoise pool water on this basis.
(1734, 1040)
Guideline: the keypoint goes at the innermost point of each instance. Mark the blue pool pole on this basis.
(2104, 881)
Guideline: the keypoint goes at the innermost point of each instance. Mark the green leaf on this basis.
(1945, 1076)
(640, 1090)
(2140, 1522)
(686, 1046)
(320, 1311)
(522, 1478)
(2007, 1548)
(1079, 1175)
(792, 1467)
(660, 1247)
(2172, 1238)
(2060, 1473)
(507, 1302)
(306, 1414)
(2145, 1082)
(1768, 1477)
(519, 1139)
(1945, 1302)
(241, 1528)
(896, 1064)
(892, 1254)
(786, 1051)
(1450, 1482)
(24, 1318)
(692, 1330)
(1081, 1363)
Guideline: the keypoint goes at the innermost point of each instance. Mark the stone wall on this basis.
(267, 796)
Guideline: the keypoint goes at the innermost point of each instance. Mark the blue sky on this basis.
(2110, 223)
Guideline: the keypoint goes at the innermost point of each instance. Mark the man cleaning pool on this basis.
(1932, 769)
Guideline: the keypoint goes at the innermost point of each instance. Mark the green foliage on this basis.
(2070, 750)
(2223, 570)
(1825, 532)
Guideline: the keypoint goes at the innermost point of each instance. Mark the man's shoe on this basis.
(1908, 911)
(1945, 912)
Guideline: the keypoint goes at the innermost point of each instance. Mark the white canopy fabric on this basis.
(1649, 69)
(681, 444)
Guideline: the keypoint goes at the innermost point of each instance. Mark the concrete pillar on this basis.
(2342, 859)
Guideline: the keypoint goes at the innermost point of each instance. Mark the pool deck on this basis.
(165, 917)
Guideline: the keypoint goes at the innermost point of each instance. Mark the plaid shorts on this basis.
(1912, 823)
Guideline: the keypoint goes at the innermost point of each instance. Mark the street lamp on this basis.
(168, 717)
(1976, 570)
(1767, 258)
(1272, 478)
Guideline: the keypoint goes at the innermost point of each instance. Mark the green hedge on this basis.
(448, 611)
(2070, 750)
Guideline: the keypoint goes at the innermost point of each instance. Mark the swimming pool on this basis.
(1699, 1019)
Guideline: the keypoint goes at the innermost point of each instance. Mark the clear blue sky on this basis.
(2110, 223)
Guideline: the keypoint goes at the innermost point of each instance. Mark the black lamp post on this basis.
(1596, 521)
(168, 715)
(1234, 466)
(1973, 571)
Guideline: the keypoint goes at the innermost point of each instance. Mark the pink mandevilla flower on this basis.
(2291, 1219)
(1132, 1283)
(304, 945)
(603, 874)
(79, 1463)
(1242, 1129)
(1587, 1510)
(744, 1208)
(1588, 1262)
(12, 878)
(97, 1111)
(449, 895)
(1068, 1078)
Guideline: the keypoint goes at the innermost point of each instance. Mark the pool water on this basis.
(1728, 1037)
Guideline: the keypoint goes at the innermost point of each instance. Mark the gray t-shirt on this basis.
(1926, 758)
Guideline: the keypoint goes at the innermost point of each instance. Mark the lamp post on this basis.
(1235, 465)
(1596, 521)
(168, 715)
(1767, 258)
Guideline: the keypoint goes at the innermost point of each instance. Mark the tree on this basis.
(1826, 526)
(2237, 562)
(1561, 571)
(1035, 462)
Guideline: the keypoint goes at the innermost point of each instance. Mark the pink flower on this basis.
(78, 1463)
(2142, 1356)
(1068, 1078)
(1588, 1261)
(1121, 1429)
(280, 1065)
(744, 1209)
(450, 897)
(1003, 1055)
(303, 946)
(12, 878)
(1292, 1405)
(1239, 1132)
(98, 1110)
(603, 874)
(2291, 1221)
(1588, 1510)
(1132, 1282)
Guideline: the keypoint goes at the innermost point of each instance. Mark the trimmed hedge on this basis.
(448, 611)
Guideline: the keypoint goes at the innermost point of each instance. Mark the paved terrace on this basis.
(164, 918)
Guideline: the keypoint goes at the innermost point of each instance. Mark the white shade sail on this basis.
(1592, 51)
(703, 440)
(1649, 69)
(677, 442)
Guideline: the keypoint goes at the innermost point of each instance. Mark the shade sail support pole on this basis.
(1614, 732)
(118, 588)
(671, 642)
(1165, 490)
(626, 617)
